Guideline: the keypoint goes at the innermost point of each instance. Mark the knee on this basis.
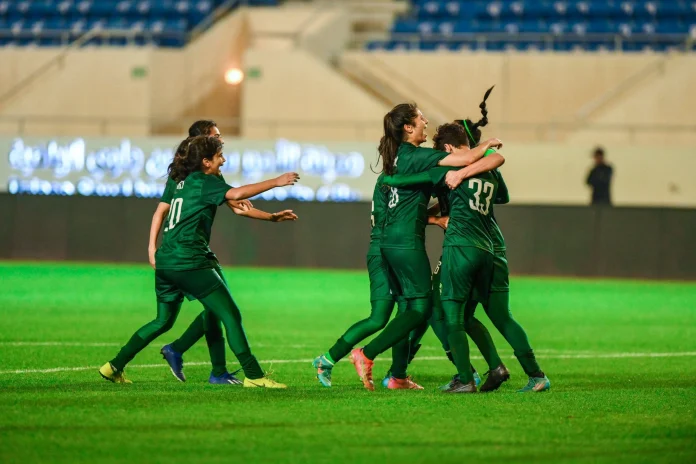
(163, 325)
(375, 324)
(453, 328)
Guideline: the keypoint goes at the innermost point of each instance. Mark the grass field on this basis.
(620, 356)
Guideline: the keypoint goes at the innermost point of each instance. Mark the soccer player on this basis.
(496, 299)
(183, 260)
(475, 329)
(437, 215)
(381, 300)
(496, 303)
(403, 234)
(173, 352)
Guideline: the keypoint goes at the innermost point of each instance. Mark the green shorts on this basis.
(501, 273)
(409, 272)
(379, 278)
(172, 286)
(467, 273)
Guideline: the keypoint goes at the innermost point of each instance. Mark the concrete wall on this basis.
(537, 89)
(302, 97)
(96, 84)
(69, 97)
(299, 93)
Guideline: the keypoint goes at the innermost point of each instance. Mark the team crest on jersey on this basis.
(180, 185)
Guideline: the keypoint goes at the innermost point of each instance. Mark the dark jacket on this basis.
(600, 181)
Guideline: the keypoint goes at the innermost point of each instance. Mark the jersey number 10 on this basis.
(174, 213)
(487, 188)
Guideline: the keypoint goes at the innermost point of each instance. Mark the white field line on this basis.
(97, 344)
(568, 355)
(57, 344)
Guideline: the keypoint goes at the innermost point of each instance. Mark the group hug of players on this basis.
(460, 171)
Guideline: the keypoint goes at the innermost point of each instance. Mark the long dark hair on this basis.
(201, 127)
(394, 122)
(473, 128)
(190, 155)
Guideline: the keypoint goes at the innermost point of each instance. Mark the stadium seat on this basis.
(163, 23)
(565, 24)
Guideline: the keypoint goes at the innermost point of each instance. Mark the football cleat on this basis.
(448, 385)
(456, 386)
(175, 361)
(495, 378)
(363, 367)
(536, 384)
(386, 379)
(323, 367)
(224, 379)
(477, 381)
(109, 372)
(403, 384)
(263, 382)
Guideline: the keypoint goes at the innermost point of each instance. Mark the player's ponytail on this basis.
(190, 155)
(394, 122)
(473, 128)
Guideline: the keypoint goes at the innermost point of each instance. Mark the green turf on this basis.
(610, 401)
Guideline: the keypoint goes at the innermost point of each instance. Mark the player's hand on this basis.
(443, 222)
(151, 256)
(289, 178)
(244, 205)
(281, 216)
(494, 143)
(453, 179)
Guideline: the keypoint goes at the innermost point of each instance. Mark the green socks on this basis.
(134, 346)
(481, 337)
(166, 315)
(340, 349)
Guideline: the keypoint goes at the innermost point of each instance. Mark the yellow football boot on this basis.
(112, 375)
(263, 382)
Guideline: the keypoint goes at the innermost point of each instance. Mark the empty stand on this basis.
(557, 25)
(164, 23)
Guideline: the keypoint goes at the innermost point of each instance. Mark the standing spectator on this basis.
(599, 179)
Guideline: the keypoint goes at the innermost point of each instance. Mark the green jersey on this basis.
(470, 217)
(169, 189)
(194, 202)
(379, 206)
(435, 177)
(407, 207)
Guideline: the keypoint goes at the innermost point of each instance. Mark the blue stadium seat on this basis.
(568, 24)
(160, 22)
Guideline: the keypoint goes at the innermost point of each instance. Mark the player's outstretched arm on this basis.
(466, 157)
(253, 213)
(407, 180)
(251, 190)
(155, 227)
(489, 163)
